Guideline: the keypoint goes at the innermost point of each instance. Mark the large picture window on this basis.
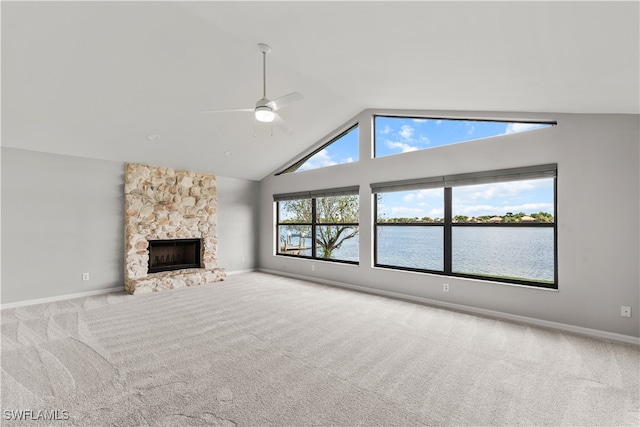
(319, 225)
(496, 225)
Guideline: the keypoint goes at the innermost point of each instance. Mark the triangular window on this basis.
(339, 150)
(395, 135)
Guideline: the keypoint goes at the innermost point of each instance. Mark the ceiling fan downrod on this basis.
(264, 49)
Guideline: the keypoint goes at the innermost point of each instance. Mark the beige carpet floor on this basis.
(263, 350)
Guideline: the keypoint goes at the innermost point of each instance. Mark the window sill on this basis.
(467, 279)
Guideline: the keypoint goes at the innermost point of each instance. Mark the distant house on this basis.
(527, 218)
(495, 219)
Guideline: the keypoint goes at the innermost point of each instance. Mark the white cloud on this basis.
(499, 198)
(476, 210)
(384, 131)
(500, 189)
(406, 212)
(522, 127)
(403, 146)
(320, 160)
(530, 208)
(418, 120)
(411, 212)
(436, 193)
(406, 132)
(435, 213)
(407, 141)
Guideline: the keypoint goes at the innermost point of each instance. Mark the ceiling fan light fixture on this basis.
(265, 111)
(265, 114)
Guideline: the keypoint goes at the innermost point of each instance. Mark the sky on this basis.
(531, 196)
(401, 134)
(395, 135)
(343, 150)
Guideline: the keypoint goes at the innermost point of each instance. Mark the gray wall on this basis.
(598, 211)
(237, 224)
(62, 216)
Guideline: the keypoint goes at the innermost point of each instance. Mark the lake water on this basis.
(520, 252)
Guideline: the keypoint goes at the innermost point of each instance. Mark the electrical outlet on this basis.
(445, 287)
(625, 311)
(313, 267)
(85, 276)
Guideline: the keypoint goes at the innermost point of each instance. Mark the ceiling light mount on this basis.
(264, 48)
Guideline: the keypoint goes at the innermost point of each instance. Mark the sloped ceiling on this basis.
(95, 79)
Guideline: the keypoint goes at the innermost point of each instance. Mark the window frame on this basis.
(295, 166)
(448, 227)
(549, 123)
(315, 222)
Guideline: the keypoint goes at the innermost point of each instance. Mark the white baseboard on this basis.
(593, 333)
(249, 270)
(86, 294)
(61, 297)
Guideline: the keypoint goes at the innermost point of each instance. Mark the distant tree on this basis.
(542, 217)
(508, 217)
(460, 218)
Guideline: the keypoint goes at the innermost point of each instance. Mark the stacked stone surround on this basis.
(164, 203)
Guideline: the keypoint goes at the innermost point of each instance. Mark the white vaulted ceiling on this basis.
(95, 79)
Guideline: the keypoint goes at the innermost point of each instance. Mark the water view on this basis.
(514, 252)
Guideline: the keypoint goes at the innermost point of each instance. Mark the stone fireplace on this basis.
(170, 229)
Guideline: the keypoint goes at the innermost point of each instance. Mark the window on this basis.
(395, 135)
(497, 225)
(320, 224)
(341, 149)
(411, 229)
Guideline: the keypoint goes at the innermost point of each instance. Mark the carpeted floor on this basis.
(263, 350)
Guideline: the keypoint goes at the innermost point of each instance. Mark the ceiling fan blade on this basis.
(278, 103)
(282, 124)
(229, 110)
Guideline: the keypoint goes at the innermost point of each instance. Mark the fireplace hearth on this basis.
(173, 254)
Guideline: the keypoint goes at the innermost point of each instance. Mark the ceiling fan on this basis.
(266, 110)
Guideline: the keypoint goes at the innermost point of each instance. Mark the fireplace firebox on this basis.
(173, 254)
